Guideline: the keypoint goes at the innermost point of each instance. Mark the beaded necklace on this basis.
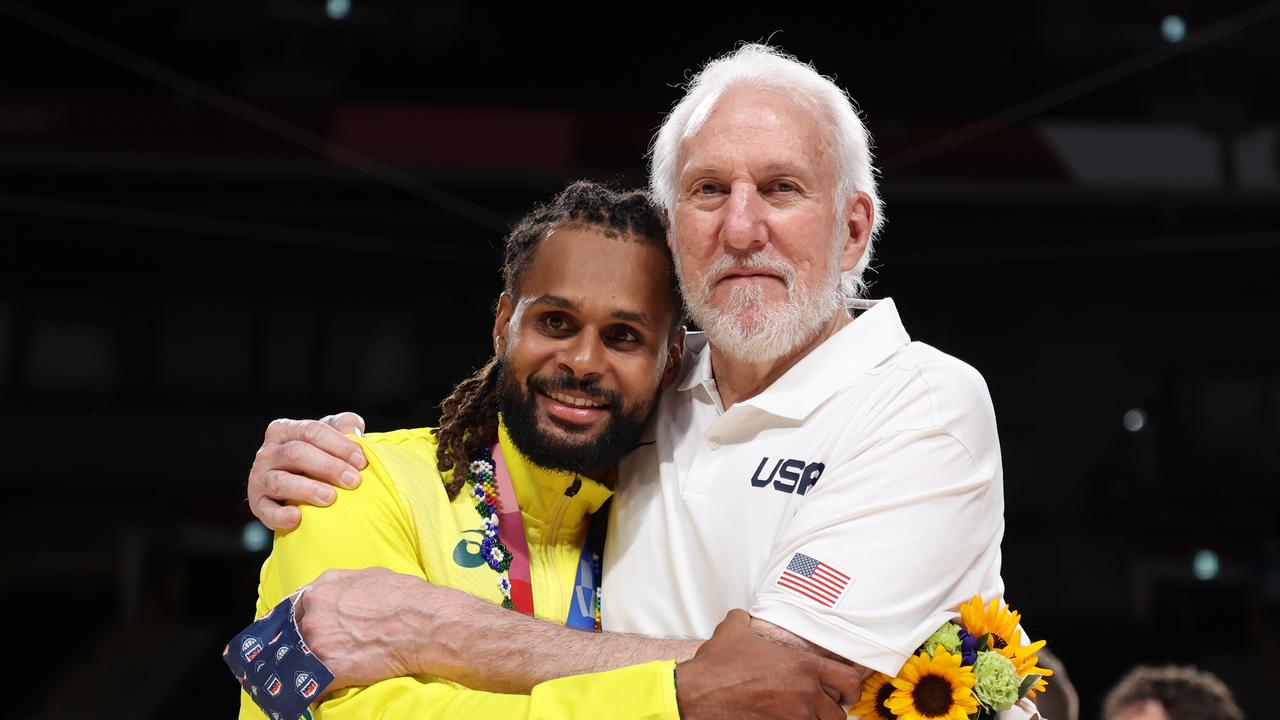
(495, 554)
(485, 491)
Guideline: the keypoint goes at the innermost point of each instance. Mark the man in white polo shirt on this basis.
(817, 468)
(873, 455)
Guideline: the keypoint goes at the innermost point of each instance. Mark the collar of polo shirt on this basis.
(875, 334)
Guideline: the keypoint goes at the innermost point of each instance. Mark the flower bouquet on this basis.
(968, 669)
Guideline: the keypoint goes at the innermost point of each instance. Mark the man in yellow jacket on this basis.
(498, 500)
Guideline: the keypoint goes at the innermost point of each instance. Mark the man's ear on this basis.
(501, 320)
(675, 351)
(861, 218)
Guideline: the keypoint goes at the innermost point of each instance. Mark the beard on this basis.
(585, 456)
(750, 327)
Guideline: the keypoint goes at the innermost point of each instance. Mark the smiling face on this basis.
(760, 234)
(586, 346)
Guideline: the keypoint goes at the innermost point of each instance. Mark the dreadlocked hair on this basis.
(469, 416)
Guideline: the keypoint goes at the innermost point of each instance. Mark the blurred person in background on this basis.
(1170, 692)
(1060, 701)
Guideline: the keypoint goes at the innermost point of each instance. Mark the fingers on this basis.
(733, 624)
(837, 677)
(276, 516)
(300, 611)
(295, 454)
(301, 458)
(333, 575)
(319, 435)
(283, 486)
(347, 423)
(828, 709)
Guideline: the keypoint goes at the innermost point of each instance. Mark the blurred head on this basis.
(764, 170)
(587, 332)
(1170, 693)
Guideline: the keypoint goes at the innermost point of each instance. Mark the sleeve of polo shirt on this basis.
(912, 515)
(369, 527)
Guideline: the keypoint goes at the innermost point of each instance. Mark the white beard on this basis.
(751, 329)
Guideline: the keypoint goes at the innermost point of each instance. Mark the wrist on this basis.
(447, 628)
(417, 643)
(685, 678)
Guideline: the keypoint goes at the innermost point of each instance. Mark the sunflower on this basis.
(933, 688)
(875, 691)
(1024, 660)
(1000, 621)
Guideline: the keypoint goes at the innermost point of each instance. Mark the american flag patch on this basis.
(815, 580)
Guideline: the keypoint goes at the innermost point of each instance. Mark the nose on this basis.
(744, 229)
(583, 355)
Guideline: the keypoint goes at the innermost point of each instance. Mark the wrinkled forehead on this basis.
(801, 106)
(770, 127)
(745, 91)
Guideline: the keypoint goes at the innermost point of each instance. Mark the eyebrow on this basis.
(560, 301)
(775, 168)
(785, 167)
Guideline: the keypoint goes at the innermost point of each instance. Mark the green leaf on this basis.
(984, 642)
(1027, 682)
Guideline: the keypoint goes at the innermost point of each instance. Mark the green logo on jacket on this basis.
(467, 552)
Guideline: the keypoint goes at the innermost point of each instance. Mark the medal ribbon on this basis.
(511, 532)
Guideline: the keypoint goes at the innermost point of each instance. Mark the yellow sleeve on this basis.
(365, 527)
(369, 527)
(639, 692)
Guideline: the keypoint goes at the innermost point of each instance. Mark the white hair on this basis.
(765, 67)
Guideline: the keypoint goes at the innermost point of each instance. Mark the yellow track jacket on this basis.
(400, 518)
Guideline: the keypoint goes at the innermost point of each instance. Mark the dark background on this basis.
(215, 213)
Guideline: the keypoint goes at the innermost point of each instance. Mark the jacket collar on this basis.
(541, 492)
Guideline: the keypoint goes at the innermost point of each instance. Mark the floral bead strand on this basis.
(485, 492)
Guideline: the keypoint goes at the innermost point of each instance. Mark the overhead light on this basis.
(255, 536)
(1135, 419)
(337, 9)
(1205, 564)
(1173, 28)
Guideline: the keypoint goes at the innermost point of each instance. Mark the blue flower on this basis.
(968, 648)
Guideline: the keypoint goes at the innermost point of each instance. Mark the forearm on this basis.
(486, 647)
(786, 638)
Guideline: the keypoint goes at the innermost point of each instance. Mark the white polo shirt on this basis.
(855, 502)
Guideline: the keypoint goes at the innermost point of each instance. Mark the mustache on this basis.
(755, 261)
(565, 381)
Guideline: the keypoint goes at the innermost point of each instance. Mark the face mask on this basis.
(275, 666)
